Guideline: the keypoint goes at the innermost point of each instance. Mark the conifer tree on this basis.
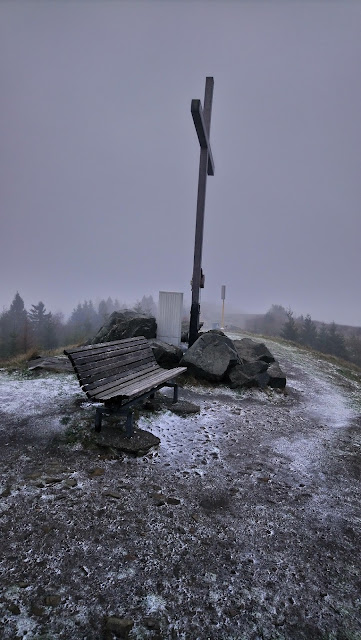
(308, 333)
(43, 328)
(289, 330)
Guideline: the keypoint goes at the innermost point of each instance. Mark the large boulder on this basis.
(277, 378)
(257, 367)
(166, 355)
(211, 356)
(238, 379)
(126, 324)
(250, 351)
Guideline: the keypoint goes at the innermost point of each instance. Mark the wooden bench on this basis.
(120, 374)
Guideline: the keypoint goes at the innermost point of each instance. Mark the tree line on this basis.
(37, 328)
(337, 340)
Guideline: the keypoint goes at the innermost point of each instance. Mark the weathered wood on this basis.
(139, 386)
(108, 363)
(202, 123)
(112, 381)
(92, 382)
(123, 371)
(83, 358)
(100, 346)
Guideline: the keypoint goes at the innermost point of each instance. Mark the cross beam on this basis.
(202, 122)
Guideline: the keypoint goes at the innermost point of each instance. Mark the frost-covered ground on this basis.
(243, 524)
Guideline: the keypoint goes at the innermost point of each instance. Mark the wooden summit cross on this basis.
(202, 123)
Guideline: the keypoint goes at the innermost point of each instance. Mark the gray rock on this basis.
(140, 442)
(252, 369)
(249, 350)
(166, 355)
(52, 600)
(13, 608)
(126, 324)
(120, 627)
(262, 379)
(211, 356)
(238, 378)
(277, 378)
(58, 364)
(184, 408)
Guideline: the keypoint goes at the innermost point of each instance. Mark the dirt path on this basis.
(243, 523)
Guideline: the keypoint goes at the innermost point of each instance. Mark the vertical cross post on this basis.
(202, 123)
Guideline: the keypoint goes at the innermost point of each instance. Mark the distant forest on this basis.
(22, 330)
(338, 340)
(37, 329)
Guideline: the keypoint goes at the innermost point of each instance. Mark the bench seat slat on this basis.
(118, 372)
(90, 359)
(109, 346)
(111, 381)
(141, 385)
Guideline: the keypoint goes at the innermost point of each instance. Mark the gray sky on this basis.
(99, 156)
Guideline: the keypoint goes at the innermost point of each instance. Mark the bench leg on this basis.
(175, 394)
(129, 424)
(98, 420)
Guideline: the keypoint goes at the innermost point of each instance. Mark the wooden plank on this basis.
(95, 359)
(115, 380)
(83, 352)
(118, 372)
(101, 345)
(90, 356)
(141, 385)
(107, 368)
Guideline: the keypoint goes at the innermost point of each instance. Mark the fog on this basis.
(99, 155)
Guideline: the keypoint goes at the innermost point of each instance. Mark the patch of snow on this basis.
(26, 396)
(154, 603)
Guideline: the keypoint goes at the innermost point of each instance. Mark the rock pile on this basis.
(126, 324)
(241, 363)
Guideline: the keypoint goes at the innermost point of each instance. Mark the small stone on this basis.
(52, 601)
(184, 408)
(121, 627)
(151, 623)
(70, 482)
(113, 494)
(173, 501)
(34, 476)
(37, 610)
(5, 493)
(47, 528)
(13, 608)
(96, 472)
(160, 499)
(232, 612)
(23, 585)
(52, 480)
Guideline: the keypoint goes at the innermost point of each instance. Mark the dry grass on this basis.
(20, 360)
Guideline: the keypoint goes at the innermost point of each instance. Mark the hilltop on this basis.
(243, 523)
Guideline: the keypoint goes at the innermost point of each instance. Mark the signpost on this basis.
(223, 297)
(202, 122)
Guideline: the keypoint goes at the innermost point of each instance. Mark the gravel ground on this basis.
(243, 524)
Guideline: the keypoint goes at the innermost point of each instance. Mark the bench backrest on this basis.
(99, 366)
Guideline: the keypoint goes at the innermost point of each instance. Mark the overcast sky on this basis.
(99, 155)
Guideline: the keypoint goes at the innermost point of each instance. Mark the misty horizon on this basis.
(99, 156)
